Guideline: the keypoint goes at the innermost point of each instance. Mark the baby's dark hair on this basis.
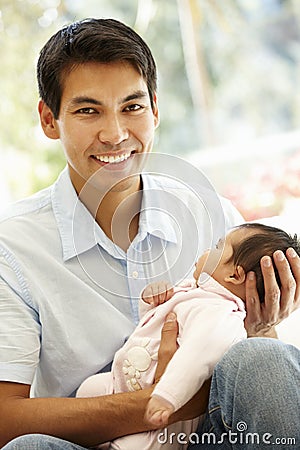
(266, 241)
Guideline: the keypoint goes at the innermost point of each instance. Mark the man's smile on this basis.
(112, 159)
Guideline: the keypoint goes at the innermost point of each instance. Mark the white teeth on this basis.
(112, 159)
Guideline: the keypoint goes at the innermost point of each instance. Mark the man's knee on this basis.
(256, 375)
(29, 441)
(38, 442)
(258, 361)
(256, 354)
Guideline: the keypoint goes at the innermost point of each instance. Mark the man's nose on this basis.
(113, 130)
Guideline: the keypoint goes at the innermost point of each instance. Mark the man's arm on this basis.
(278, 303)
(86, 421)
(89, 421)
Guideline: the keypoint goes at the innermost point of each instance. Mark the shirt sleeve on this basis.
(19, 337)
(208, 332)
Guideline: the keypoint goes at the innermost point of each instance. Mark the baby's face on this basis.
(212, 259)
(216, 261)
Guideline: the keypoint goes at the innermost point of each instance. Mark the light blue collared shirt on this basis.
(69, 295)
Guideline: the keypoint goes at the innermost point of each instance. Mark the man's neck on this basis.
(118, 216)
(117, 211)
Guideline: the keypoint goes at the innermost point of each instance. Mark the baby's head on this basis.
(241, 252)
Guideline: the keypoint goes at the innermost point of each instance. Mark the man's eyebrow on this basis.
(77, 101)
(136, 95)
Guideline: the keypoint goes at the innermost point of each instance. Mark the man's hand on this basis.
(278, 303)
(157, 293)
(168, 344)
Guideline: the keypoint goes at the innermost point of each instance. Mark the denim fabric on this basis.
(254, 399)
(40, 442)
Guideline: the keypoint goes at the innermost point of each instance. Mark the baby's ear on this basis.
(238, 277)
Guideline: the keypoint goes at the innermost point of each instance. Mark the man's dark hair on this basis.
(265, 241)
(91, 40)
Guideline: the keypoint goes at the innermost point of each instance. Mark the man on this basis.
(75, 256)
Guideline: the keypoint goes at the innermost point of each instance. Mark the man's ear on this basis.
(155, 111)
(238, 277)
(48, 122)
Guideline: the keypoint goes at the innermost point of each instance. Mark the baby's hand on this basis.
(157, 293)
(158, 411)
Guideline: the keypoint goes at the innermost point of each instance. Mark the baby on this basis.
(210, 311)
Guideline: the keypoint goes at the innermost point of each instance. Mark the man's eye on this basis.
(86, 111)
(134, 107)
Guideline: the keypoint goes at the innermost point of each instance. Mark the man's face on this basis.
(105, 119)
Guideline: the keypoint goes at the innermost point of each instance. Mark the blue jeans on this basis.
(254, 402)
(254, 399)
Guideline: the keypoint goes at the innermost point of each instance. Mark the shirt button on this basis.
(135, 274)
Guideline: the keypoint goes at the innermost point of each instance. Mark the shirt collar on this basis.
(79, 231)
(66, 206)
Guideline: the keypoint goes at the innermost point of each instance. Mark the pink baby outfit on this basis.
(210, 318)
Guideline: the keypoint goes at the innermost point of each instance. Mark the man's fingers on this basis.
(278, 302)
(294, 261)
(292, 285)
(252, 298)
(253, 305)
(168, 344)
(288, 284)
(272, 291)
